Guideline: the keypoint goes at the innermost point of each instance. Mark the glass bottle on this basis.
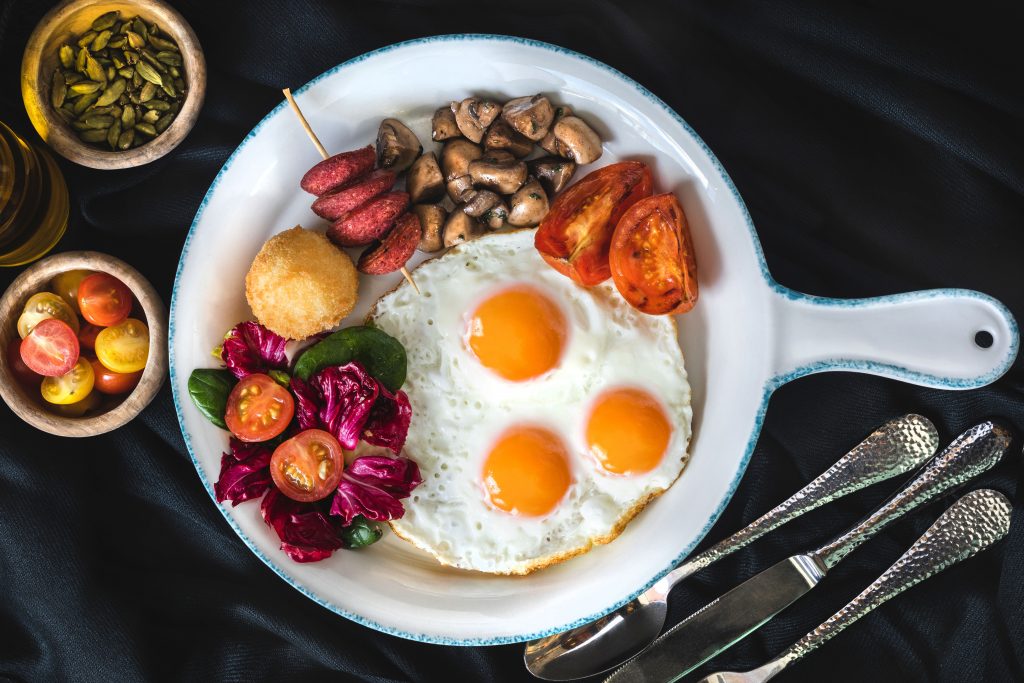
(33, 200)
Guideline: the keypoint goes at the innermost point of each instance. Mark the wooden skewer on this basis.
(323, 153)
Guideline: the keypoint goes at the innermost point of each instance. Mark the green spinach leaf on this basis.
(209, 390)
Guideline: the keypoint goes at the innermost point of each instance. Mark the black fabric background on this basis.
(878, 148)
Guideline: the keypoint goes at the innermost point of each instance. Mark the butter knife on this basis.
(733, 616)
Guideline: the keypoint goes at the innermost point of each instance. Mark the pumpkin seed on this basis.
(87, 38)
(113, 133)
(125, 140)
(146, 128)
(150, 74)
(67, 56)
(93, 135)
(58, 89)
(105, 21)
(101, 41)
(86, 87)
(113, 91)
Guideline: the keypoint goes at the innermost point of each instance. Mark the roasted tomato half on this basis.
(652, 260)
(575, 235)
(308, 467)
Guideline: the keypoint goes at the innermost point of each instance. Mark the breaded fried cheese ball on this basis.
(300, 284)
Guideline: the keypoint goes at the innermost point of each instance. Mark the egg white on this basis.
(460, 407)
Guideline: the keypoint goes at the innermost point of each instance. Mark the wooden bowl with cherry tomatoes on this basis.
(84, 344)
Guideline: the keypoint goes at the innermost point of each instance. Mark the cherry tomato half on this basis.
(23, 374)
(91, 401)
(45, 305)
(50, 349)
(104, 300)
(87, 335)
(113, 383)
(308, 466)
(575, 235)
(71, 387)
(66, 286)
(124, 347)
(258, 408)
(652, 259)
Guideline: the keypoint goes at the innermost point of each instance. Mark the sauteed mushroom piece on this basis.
(502, 136)
(504, 177)
(442, 125)
(496, 216)
(496, 156)
(577, 140)
(425, 182)
(554, 173)
(529, 204)
(432, 218)
(479, 202)
(397, 146)
(530, 116)
(456, 155)
(548, 143)
(474, 115)
(459, 227)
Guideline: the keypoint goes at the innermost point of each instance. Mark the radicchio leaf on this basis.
(338, 399)
(306, 534)
(373, 486)
(244, 472)
(250, 348)
(388, 422)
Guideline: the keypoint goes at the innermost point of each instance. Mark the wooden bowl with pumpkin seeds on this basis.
(113, 84)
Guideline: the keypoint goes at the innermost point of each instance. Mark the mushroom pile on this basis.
(483, 179)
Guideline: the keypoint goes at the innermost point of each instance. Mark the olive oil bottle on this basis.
(33, 200)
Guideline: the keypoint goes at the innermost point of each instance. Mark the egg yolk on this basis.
(518, 333)
(527, 471)
(628, 431)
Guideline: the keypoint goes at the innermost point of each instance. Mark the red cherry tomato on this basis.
(576, 233)
(652, 259)
(110, 382)
(308, 466)
(51, 348)
(22, 373)
(258, 408)
(104, 300)
(87, 335)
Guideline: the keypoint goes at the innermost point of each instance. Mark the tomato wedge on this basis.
(110, 382)
(652, 259)
(258, 408)
(50, 349)
(308, 466)
(575, 236)
(104, 300)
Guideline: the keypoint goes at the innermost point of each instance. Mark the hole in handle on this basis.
(984, 339)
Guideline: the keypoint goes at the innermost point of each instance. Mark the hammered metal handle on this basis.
(972, 524)
(896, 447)
(970, 454)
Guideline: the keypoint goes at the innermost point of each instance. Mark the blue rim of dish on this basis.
(770, 386)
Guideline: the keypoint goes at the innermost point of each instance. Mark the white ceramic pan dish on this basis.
(747, 336)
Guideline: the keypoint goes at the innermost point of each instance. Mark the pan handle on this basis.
(943, 338)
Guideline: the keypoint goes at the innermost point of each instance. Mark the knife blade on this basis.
(723, 621)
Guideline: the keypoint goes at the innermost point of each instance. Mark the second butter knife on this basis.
(733, 616)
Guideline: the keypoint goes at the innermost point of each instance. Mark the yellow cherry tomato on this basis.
(66, 285)
(45, 305)
(71, 387)
(91, 401)
(124, 347)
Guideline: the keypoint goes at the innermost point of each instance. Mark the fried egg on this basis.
(545, 415)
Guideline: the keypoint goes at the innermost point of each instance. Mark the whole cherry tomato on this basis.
(652, 259)
(258, 408)
(308, 466)
(104, 300)
(87, 335)
(110, 382)
(576, 233)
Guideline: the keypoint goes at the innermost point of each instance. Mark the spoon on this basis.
(893, 449)
(971, 525)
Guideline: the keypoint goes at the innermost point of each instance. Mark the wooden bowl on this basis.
(72, 19)
(35, 279)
